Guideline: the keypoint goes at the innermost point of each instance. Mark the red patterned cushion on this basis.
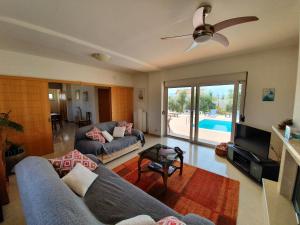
(66, 163)
(170, 220)
(127, 125)
(96, 135)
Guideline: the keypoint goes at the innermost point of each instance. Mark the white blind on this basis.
(208, 80)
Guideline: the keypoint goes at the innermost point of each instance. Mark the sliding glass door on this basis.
(179, 112)
(205, 113)
(214, 119)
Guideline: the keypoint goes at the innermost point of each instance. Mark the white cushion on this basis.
(107, 136)
(79, 179)
(119, 131)
(138, 220)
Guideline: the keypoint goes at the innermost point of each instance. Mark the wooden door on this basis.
(28, 101)
(104, 104)
(122, 103)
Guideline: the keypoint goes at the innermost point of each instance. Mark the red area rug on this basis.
(197, 191)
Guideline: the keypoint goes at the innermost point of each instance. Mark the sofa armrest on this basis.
(89, 147)
(94, 158)
(139, 134)
(193, 219)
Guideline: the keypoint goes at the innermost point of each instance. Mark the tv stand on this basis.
(252, 165)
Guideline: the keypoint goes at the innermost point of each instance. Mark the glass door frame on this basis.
(194, 109)
(165, 112)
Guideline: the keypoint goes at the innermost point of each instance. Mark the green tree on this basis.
(206, 102)
(181, 100)
(173, 106)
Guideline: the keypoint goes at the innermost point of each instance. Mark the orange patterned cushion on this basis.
(66, 163)
(127, 125)
(96, 135)
(170, 220)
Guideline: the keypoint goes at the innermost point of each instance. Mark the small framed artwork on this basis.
(77, 94)
(268, 95)
(141, 94)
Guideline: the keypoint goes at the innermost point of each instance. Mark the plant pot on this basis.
(12, 160)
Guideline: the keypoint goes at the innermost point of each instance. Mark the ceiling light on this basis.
(101, 57)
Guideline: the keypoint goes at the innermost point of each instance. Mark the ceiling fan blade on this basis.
(221, 39)
(177, 37)
(198, 17)
(194, 45)
(234, 21)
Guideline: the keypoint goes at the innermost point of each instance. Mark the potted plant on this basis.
(5, 124)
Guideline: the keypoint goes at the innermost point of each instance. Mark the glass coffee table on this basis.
(162, 159)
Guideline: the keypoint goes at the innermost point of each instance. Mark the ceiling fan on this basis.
(204, 32)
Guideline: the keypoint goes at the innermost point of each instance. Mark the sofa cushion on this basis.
(66, 163)
(119, 143)
(138, 220)
(119, 131)
(107, 136)
(127, 125)
(96, 135)
(79, 179)
(46, 199)
(170, 220)
(108, 126)
(109, 196)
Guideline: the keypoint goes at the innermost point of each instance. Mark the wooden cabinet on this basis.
(122, 103)
(28, 101)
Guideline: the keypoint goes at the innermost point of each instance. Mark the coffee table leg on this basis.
(139, 168)
(165, 177)
(181, 163)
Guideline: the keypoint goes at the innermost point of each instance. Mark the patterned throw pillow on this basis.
(66, 163)
(96, 135)
(170, 220)
(127, 125)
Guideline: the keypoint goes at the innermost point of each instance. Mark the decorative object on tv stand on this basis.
(268, 95)
(283, 124)
(5, 124)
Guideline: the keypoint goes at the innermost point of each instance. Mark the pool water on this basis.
(219, 125)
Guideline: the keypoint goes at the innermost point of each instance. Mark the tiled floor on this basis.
(250, 204)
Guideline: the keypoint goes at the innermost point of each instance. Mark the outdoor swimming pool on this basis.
(219, 125)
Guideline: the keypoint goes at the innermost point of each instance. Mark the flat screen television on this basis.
(253, 140)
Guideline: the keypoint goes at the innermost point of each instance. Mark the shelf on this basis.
(280, 210)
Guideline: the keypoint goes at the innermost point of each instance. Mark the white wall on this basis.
(14, 63)
(296, 116)
(140, 82)
(275, 68)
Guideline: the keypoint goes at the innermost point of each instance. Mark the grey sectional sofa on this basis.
(108, 151)
(47, 200)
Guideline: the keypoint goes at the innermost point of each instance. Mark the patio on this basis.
(179, 126)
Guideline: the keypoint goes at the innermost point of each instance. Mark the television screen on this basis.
(252, 140)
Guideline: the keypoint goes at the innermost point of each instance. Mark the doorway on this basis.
(205, 113)
(104, 104)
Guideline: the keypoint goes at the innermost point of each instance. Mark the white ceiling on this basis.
(130, 30)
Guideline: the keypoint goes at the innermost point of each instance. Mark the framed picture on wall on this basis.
(141, 94)
(268, 95)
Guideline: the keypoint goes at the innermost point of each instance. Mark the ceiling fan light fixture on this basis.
(101, 57)
(203, 36)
